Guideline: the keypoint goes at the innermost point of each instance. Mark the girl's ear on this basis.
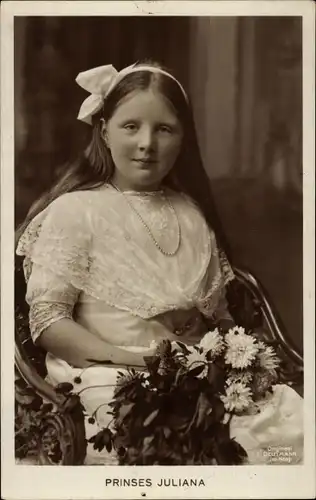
(103, 130)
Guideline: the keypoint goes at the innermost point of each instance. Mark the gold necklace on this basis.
(158, 246)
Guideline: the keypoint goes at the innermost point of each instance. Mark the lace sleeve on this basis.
(212, 300)
(44, 314)
(56, 250)
(50, 297)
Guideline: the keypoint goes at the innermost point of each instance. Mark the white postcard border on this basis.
(35, 482)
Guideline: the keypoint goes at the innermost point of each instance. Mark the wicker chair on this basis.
(51, 425)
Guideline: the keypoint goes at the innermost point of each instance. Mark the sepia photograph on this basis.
(158, 216)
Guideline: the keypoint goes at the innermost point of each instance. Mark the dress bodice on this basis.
(90, 249)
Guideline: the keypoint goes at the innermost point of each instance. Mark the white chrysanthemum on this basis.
(243, 377)
(212, 341)
(235, 330)
(196, 358)
(267, 357)
(237, 397)
(241, 348)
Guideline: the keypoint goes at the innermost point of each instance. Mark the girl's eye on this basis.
(130, 127)
(165, 128)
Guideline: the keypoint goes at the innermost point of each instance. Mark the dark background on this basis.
(243, 75)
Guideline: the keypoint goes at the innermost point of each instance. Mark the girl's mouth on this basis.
(145, 161)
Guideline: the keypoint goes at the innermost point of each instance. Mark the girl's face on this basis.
(144, 136)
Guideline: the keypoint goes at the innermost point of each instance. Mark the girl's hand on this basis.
(137, 358)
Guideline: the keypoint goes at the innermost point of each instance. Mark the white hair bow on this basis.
(97, 81)
(101, 80)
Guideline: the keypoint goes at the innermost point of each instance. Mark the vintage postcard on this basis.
(157, 249)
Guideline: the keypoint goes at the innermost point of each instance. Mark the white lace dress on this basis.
(89, 258)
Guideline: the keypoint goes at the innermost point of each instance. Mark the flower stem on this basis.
(95, 387)
(94, 414)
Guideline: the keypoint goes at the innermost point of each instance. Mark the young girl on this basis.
(125, 251)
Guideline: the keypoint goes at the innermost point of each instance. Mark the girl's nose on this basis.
(146, 139)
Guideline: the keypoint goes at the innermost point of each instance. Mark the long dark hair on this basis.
(94, 166)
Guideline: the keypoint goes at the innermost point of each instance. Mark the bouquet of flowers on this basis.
(178, 411)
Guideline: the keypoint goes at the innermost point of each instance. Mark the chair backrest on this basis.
(243, 306)
(252, 308)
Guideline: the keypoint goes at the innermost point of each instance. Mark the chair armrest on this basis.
(56, 436)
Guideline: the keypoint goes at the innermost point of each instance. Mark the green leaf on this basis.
(203, 407)
(216, 377)
(147, 442)
(71, 403)
(124, 410)
(219, 410)
(151, 417)
(152, 363)
(167, 432)
(197, 370)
